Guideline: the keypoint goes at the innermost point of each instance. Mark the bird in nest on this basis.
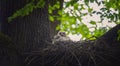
(61, 36)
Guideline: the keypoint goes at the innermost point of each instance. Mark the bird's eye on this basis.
(62, 34)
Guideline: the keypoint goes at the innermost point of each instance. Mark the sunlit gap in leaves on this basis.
(86, 19)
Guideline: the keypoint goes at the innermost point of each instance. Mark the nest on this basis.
(69, 53)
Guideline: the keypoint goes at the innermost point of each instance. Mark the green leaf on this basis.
(57, 5)
(94, 12)
(91, 1)
(23, 11)
(93, 22)
(99, 13)
(58, 27)
(76, 6)
(40, 4)
(50, 10)
(90, 10)
(51, 18)
(67, 4)
(60, 12)
(72, 2)
(86, 2)
(99, 32)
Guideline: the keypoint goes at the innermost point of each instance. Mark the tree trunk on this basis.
(29, 32)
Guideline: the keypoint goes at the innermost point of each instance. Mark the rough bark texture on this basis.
(110, 38)
(29, 32)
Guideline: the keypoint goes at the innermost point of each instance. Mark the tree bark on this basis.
(111, 36)
(30, 32)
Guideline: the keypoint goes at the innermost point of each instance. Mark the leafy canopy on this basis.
(73, 12)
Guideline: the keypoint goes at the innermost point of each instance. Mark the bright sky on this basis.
(88, 18)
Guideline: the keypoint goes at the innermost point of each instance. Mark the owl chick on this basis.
(61, 36)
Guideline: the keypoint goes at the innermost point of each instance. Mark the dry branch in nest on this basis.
(63, 53)
(69, 53)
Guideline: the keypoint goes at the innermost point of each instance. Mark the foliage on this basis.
(27, 9)
(73, 12)
(51, 10)
(72, 17)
